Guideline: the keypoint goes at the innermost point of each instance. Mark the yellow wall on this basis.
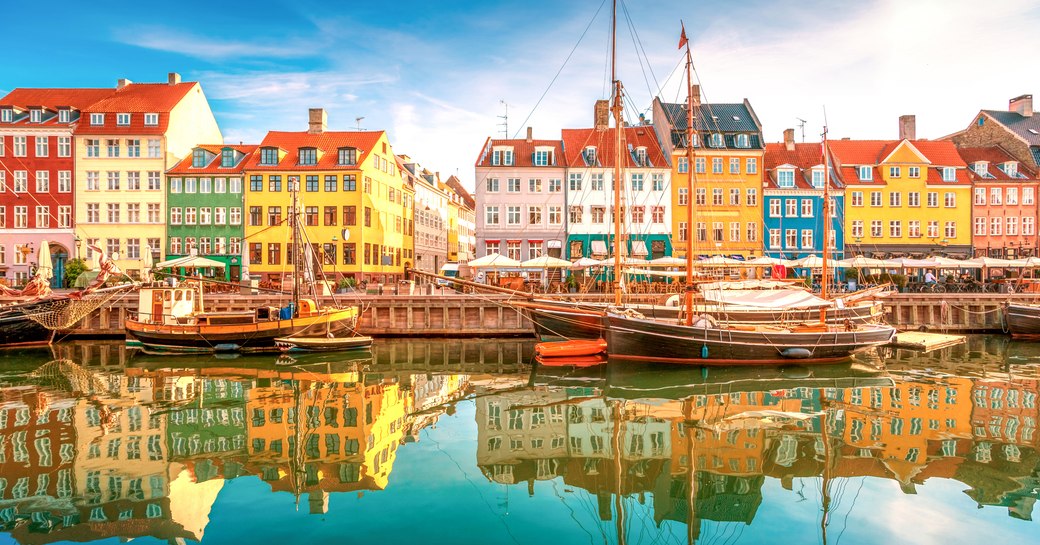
(929, 181)
(710, 213)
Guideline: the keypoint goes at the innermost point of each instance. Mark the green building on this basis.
(204, 203)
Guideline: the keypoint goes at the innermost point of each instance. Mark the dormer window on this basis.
(123, 120)
(817, 177)
(63, 115)
(348, 156)
(308, 156)
(785, 177)
(1011, 169)
(502, 157)
(198, 158)
(982, 169)
(227, 157)
(35, 115)
(6, 115)
(866, 174)
(641, 156)
(743, 141)
(268, 156)
(151, 120)
(717, 140)
(589, 155)
(542, 157)
(949, 174)
(97, 119)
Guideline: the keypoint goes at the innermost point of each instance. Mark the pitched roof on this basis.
(576, 140)
(329, 142)
(726, 119)
(51, 99)
(136, 99)
(995, 155)
(803, 157)
(523, 151)
(184, 166)
(456, 185)
(1019, 124)
(850, 154)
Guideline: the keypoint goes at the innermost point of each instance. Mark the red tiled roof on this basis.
(853, 153)
(523, 151)
(803, 157)
(995, 155)
(328, 142)
(51, 99)
(576, 140)
(184, 166)
(136, 99)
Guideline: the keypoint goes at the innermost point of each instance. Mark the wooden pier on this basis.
(450, 314)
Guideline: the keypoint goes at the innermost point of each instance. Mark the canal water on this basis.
(472, 441)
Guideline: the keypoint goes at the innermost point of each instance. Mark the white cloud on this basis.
(209, 48)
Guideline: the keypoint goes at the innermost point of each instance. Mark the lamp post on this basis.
(78, 241)
(335, 243)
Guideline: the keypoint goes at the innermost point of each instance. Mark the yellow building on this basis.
(904, 197)
(727, 176)
(356, 211)
(123, 145)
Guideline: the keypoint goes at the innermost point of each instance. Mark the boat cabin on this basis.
(184, 306)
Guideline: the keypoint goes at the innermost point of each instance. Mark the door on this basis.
(58, 261)
(236, 273)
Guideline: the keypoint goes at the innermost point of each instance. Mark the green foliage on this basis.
(852, 274)
(346, 282)
(74, 268)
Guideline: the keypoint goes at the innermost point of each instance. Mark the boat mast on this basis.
(688, 298)
(297, 255)
(616, 108)
(826, 216)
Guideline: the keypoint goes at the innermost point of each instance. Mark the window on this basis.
(638, 214)
(513, 185)
(502, 157)
(857, 228)
(637, 182)
(274, 253)
(702, 231)
(995, 195)
(308, 156)
(716, 196)
(734, 165)
(1012, 195)
(541, 158)
(555, 215)
(949, 174)
(151, 119)
(875, 198)
(575, 213)
(734, 197)
(774, 208)
(122, 119)
(19, 146)
(657, 182)
(716, 165)
(21, 181)
(752, 197)
(913, 172)
(866, 174)
(791, 238)
(683, 165)
(894, 172)
(64, 217)
(43, 181)
(350, 215)
(113, 212)
(895, 229)
(791, 208)
(274, 183)
(97, 119)
(6, 115)
(133, 148)
(311, 183)
(1028, 226)
(1011, 225)
(717, 140)
(153, 213)
(807, 208)
(774, 238)
(268, 156)
(751, 165)
(785, 177)
(913, 199)
(112, 147)
(1028, 195)
(699, 165)
(347, 156)
(716, 231)
(807, 239)
(490, 215)
(980, 226)
(657, 214)
(534, 185)
(857, 198)
(113, 180)
(274, 215)
(64, 146)
(933, 229)
(191, 215)
(349, 182)
(220, 185)
(742, 141)
(950, 230)
(913, 228)
(875, 228)
(933, 199)
(133, 212)
(42, 146)
(950, 200)
(43, 217)
(895, 199)
(534, 215)
(310, 216)
(513, 215)
(93, 212)
(598, 213)
(701, 196)
(734, 231)
(589, 155)
(92, 145)
(198, 158)
(154, 148)
(752, 231)
(133, 181)
(996, 226)
(205, 215)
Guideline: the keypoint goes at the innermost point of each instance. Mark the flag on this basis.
(682, 37)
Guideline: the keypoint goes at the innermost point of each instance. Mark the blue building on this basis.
(793, 207)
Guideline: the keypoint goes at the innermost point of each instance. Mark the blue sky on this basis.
(434, 74)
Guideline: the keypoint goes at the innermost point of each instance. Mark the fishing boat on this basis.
(323, 344)
(1023, 320)
(701, 339)
(175, 319)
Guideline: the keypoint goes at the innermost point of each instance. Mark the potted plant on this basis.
(572, 284)
(346, 284)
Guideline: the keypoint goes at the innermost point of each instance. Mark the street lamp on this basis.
(335, 240)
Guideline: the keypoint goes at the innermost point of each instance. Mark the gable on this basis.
(904, 153)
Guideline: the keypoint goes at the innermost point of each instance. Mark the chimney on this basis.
(122, 82)
(908, 127)
(602, 115)
(530, 135)
(316, 121)
(695, 97)
(789, 139)
(174, 78)
(1022, 105)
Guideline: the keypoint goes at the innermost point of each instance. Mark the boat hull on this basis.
(639, 339)
(1023, 321)
(249, 337)
(556, 321)
(18, 330)
(322, 344)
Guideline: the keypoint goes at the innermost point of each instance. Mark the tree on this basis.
(73, 268)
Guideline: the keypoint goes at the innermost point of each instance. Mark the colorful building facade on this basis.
(727, 174)
(123, 145)
(205, 199)
(1003, 206)
(357, 213)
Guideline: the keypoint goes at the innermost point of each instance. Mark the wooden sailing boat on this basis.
(701, 340)
(174, 319)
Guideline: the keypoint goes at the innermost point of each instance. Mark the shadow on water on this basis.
(99, 441)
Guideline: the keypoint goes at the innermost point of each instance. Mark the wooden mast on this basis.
(616, 108)
(688, 296)
(826, 219)
(294, 222)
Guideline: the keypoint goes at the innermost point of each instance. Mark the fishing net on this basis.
(67, 375)
(64, 313)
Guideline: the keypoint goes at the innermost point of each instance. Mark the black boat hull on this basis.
(638, 339)
(17, 329)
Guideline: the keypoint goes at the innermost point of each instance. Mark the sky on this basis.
(438, 76)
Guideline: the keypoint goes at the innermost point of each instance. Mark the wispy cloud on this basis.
(209, 48)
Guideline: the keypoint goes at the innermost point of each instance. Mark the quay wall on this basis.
(459, 315)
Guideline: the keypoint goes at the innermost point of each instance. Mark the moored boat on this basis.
(1023, 320)
(323, 344)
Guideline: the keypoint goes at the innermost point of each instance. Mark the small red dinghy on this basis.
(569, 349)
(573, 361)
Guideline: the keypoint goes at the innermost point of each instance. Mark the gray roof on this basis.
(725, 118)
(1019, 124)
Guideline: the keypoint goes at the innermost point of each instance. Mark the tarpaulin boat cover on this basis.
(775, 299)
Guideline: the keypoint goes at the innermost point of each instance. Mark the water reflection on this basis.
(97, 442)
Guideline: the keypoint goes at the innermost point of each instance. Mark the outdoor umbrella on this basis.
(545, 261)
(493, 260)
(44, 266)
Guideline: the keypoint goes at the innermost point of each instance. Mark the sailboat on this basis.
(702, 340)
(175, 319)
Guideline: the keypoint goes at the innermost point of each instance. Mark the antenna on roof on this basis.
(801, 126)
(505, 119)
(358, 121)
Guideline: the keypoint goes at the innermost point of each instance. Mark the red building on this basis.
(1004, 205)
(36, 177)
